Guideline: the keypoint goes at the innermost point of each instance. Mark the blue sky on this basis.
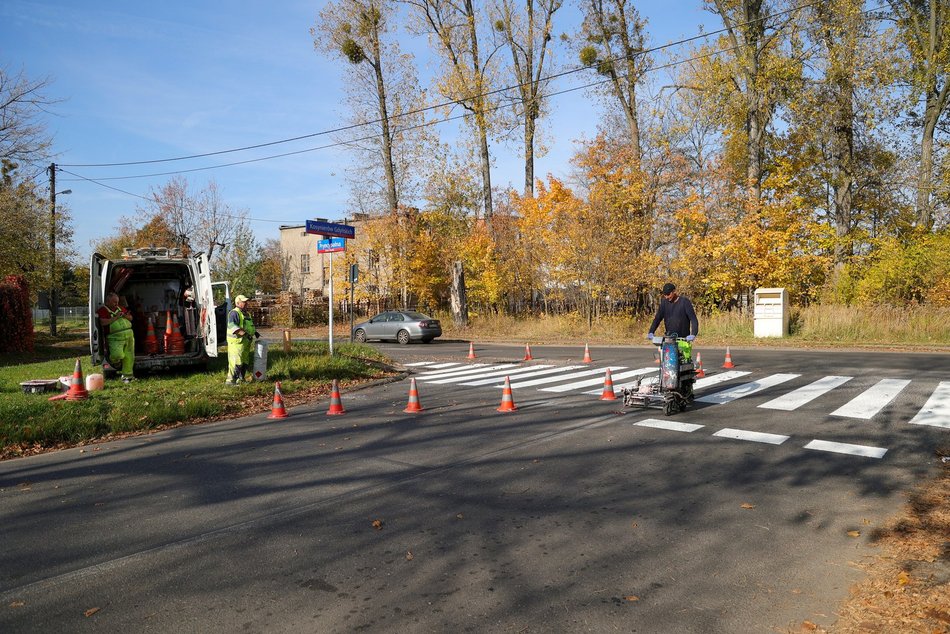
(142, 81)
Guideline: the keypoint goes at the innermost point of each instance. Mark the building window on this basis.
(305, 263)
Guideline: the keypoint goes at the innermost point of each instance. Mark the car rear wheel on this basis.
(402, 337)
(359, 336)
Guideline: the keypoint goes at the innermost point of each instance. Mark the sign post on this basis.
(354, 273)
(335, 236)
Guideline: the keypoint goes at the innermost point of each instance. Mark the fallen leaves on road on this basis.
(91, 611)
(903, 578)
(854, 533)
(808, 626)
(747, 506)
(409, 555)
(17, 604)
(632, 598)
(378, 524)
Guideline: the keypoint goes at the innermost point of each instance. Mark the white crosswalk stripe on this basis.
(620, 376)
(716, 379)
(530, 371)
(489, 372)
(671, 425)
(418, 363)
(747, 389)
(469, 370)
(564, 377)
(872, 400)
(806, 394)
(443, 365)
(847, 448)
(589, 382)
(753, 436)
(936, 411)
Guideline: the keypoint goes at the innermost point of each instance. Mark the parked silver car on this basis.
(402, 326)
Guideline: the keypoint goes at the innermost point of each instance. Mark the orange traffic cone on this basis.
(177, 341)
(278, 410)
(728, 363)
(587, 358)
(527, 353)
(77, 387)
(609, 394)
(414, 404)
(336, 405)
(471, 350)
(507, 402)
(151, 341)
(700, 373)
(168, 332)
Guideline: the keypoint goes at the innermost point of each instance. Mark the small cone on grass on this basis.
(728, 363)
(414, 404)
(507, 401)
(700, 373)
(587, 358)
(278, 410)
(527, 353)
(471, 350)
(77, 386)
(608, 394)
(336, 405)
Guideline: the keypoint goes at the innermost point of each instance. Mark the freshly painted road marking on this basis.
(486, 373)
(533, 372)
(936, 411)
(595, 381)
(459, 368)
(747, 389)
(846, 448)
(443, 365)
(872, 400)
(671, 425)
(417, 363)
(564, 377)
(806, 394)
(464, 373)
(715, 379)
(754, 436)
(620, 376)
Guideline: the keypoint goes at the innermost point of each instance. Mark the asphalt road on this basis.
(569, 514)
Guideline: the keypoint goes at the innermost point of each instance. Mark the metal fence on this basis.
(73, 315)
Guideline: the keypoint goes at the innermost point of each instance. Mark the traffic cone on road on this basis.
(527, 353)
(587, 358)
(77, 387)
(507, 401)
(609, 394)
(151, 341)
(728, 363)
(278, 410)
(700, 373)
(471, 350)
(336, 405)
(414, 404)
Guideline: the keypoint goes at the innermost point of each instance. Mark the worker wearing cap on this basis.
(677, 315)
(241, 334)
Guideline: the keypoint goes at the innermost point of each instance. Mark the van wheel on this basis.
(402, 337)
(359, 336)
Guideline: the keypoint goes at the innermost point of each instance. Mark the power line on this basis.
(436, 106)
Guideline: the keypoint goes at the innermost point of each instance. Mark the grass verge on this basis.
(30, 423)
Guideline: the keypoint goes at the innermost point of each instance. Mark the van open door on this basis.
(209, 328)
(98, 274)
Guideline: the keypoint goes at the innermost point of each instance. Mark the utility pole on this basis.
(52, 250)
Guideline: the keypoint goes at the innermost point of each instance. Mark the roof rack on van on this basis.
(151, 252)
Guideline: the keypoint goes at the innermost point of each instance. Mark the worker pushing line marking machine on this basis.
(672, 389)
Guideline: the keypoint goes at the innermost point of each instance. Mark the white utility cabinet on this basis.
(771, 312)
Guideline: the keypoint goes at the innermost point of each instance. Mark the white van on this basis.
(156, 283)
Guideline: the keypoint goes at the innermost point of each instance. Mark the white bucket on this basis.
(95, 382)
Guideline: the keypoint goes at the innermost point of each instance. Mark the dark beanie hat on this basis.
(668, 288)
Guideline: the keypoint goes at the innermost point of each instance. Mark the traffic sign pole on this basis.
(331, 304)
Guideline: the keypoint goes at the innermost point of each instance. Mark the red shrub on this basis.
(16, 316)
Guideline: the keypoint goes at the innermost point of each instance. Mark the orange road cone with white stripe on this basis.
(336, 405)
(77, 387)
(700, 373)
(507, 401)
(609, 394)
(278, 410)
(527, 353)
(587, 358)
(728, 363)
(151, 341)
(471, 350)
(414, 404)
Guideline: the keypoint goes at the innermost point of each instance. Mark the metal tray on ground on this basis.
(39, 386)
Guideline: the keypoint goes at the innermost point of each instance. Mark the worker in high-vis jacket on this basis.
(116, 321)
(241, 335)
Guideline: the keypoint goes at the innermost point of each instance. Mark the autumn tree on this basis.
(923, 28)
(527, 34)
(455, 31)
(22, 100)
(612, 40)
(272, 273)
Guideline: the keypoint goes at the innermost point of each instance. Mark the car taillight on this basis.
(423, 324)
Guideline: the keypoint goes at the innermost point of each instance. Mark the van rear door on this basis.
(99, 268)
(204, 295)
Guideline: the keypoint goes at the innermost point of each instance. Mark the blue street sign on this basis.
(331, 245)
(330, 229)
